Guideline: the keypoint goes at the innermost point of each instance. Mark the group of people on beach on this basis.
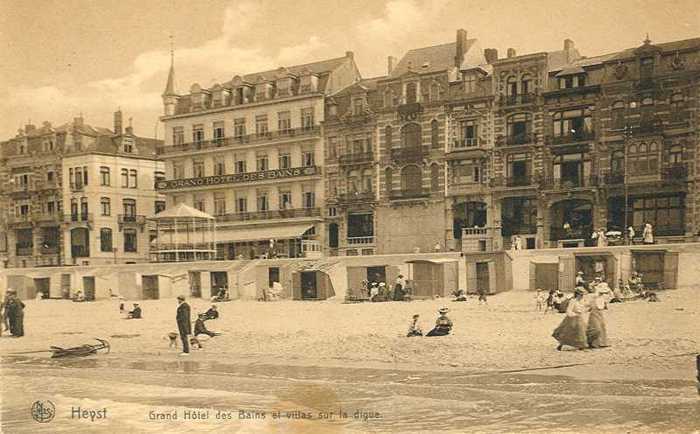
(380, 291)
(184, 325)
(12, 314)
(584, 324)
(443, 325)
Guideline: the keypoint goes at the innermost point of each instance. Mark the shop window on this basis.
(665, 214)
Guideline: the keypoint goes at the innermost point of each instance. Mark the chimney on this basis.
(130, 129)
(568, 44)
(511, 52)
(390, 63)
(461, 47)
(491, 55)
(349, 54)
(78, 122)
(570, 50)
(118, 122)
(29, 128)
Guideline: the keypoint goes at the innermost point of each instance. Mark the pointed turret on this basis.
(169, 96)
(170, 86)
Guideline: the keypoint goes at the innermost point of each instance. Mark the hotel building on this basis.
(249, 152)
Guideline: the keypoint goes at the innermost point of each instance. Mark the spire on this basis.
(170, 86)
(647, 41)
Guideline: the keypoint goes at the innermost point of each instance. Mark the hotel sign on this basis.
(238, 178)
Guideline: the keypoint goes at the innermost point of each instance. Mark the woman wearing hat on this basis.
(443, 325)
(572, 330)
(596, 333)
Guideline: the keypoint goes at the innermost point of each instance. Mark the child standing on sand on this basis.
(540, 299)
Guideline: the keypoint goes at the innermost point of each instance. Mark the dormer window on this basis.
(646, 68)
(572, 81)
(357, 106)
(284, 87)
(240, 95)
(263, 91)
(309, 83)
(128, 145)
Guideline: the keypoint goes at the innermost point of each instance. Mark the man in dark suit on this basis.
(184, 325)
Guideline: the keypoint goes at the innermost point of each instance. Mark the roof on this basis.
(181, 211)
(432, 260)
(570, 70)
(429, 59)
(364, 85)
(664, 47)
(263, 233)
(318, 67)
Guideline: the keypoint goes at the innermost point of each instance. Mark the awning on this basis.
(570, 71)
(262, 234)
(432, 261)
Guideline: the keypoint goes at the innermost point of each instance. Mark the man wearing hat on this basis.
(14, 311)
(136, 313)
(580, 281)
(443, 325)
(184, 326)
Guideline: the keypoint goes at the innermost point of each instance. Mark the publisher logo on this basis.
(43, 411)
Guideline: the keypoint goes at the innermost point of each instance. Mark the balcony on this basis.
(46, 185)
(22, 250)
(525, 98)
(46, 217)
(19, 189)
(409, 155)
(557, 233)
(676, 173)
(358, 158)
(612, 179)
(578, 136)
(269, 215)
(464, 144)
(131, 219)
(239, 140)
(78, 218)
(408, 194)
(365, 196)
(465, 188)
(22, 219)
(49, 250)
(513, 181)
(76, 187)
(515, 140)
(357, 241)
(551, 183)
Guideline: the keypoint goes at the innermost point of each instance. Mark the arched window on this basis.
(411, 179)
(511, 86)
(411, 136)
(617, 163)
(618, 115)
(526, 84)
(388, 179)
(434, 134)
(644, 158)
(434, 92)
(388, 132)
(434, 177)
(519, 129)
(675, 155)
(333, 235)
(411, 93)
(367, 181)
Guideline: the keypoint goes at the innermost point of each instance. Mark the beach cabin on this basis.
(312, 283)
(433, 277)
(374, 273)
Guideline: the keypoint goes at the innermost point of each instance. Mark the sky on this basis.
(61, 58)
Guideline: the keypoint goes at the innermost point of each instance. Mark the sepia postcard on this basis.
(349, 216)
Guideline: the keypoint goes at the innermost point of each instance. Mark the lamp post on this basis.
(626, 136)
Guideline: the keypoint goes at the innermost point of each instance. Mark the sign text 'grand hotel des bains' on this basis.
(238, 178)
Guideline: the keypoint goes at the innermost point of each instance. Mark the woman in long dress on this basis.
(572, 330)
(596, 332)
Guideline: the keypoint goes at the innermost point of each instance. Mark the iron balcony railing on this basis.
(81, 217)
(551, 183)
(355, 158)
(524, 98)
(512, 181)
(24, 251)
(409, 154)
(353, 241)
(517, 139)
(357, 196)
(676, 173)
(464, 144)
(268, 215)
(76, 187)
(49, 250)
(408, 194)
(578, 136)
(131, 218)
(238, 140)
(18, 219)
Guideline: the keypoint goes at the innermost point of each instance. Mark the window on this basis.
(284, 122)
(125, 178)
(307, 158)
(675, 155)
(518, 169)
(368, 180)
(411, 93)
(133, 178)
(129, 209)
(332, 147)
(469, 83)
(388, 98)
(411, 179)
(388, 131)
(434, 133)
(262, 200)
(646, 68)
(178, 136)
(198, 134)
(73, 209)
(105, 206)
(178, 170)
(434, 92)
(159, 206)
(219, 204)
(84, 208)
(665, 214)
(104, 176)
(572, 81)
(519, 216)
(240, 166)
(261, 125)
(643, 158)
(198, 168)
(467, 134)
(618, 115)
(239, 128)
(130, 243)
(617, 163)
(435, 178)
(576, 124)
(218, 128)
(261, 162)
(360, 225)
(332, 187)
(678, 107)
(198, 203)
(511, 86)
(308, 197)
(105, 240)
(22, 148)
(519, 129)
(411, 136)
(285, 199)
(389, 180)
(128, 145)
(51, 207)
(332, 211)
(241, 204)
(219, 166)
(307, 118)
(285, 160)
(465, 172)
(50, 176)
(357, 106)
(526, 84)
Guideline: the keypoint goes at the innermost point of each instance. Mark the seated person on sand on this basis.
(443, 325)
(222, 295)
(78, 296)
(460, 295)
(212, 313)
(134, 314)
(413, 328)
(201, 329)
(274, 292)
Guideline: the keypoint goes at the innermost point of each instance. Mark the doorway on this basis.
(309, 288)
(89, 288)
(65, 286)
(482, 277)
(195, 284)
(547, 276)
(150, 287)
(43, 285)
(273, 275)
(651, 266)
(376, 274)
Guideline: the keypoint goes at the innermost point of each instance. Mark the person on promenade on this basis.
(596, 333)
(648, 234)
(184, 326)
(603, 291)
(460, 295)
(443, 325)
(572, 330)
(630, 235)
(399, 286)
(136, 313)
(413, 328)
(15, 313)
